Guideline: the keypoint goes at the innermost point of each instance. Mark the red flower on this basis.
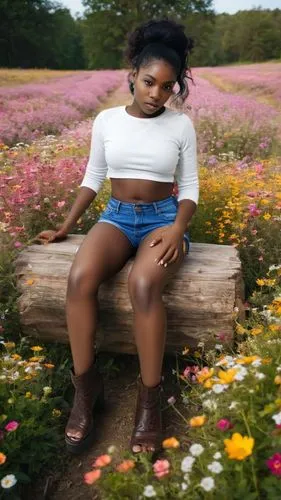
(274, 464)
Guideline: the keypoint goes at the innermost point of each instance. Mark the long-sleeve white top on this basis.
(161, 148)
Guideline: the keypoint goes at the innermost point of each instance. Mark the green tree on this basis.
(107, 24)
(39, 33)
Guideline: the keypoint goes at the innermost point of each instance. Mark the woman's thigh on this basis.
(103, 253)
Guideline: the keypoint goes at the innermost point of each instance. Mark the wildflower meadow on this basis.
(231, 397)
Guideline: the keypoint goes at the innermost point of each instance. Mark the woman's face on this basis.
(153, 85)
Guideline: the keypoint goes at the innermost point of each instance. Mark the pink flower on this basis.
(17, 244)
(253, 210)
(274, 464)
(189, 370)
(161, 468)
(12, 426)
(224, 425)
(60, 204)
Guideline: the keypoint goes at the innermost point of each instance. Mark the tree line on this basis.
(43, 33)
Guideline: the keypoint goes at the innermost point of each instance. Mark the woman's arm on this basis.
(187, 177)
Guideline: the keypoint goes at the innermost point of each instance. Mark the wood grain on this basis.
(200, 299)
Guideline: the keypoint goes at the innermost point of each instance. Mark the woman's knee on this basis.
(81, 282)
(144, 291)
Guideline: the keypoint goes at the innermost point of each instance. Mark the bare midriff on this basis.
(139, 190)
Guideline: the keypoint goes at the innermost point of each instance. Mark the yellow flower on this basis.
(240, 329)
(246, 360)
(49, 365)
(30, 282)
(56, 413)
(256, 331)
(16, 357)
(227, 376)
(3, 458)
(239, 447)
(260, 282)
(274, 328)
(9, 345)
(209, 383)
(266, 361)
(197, 421)
(277, 380)
(28, 395)
(170, 443)
(36, 348)
(266, 216)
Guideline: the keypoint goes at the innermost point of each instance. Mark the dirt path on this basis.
(114, 424)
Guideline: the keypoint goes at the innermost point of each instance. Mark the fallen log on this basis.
(202, 299)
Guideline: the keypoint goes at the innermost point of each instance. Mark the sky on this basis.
(219, 5)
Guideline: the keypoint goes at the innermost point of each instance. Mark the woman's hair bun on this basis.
(165, 31)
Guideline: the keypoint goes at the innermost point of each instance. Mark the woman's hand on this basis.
(50, 236)
(172, 243)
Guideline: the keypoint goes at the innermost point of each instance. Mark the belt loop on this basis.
(155, 207)
(118, 206)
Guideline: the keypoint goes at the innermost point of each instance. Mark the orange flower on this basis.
(30, 282)
(125, 466)
(170, 443)
(197, 421)
(277, 380)
(49, 365)
(102, 461)
(3, 458)
(92, 476)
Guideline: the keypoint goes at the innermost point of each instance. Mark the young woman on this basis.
(143, 148)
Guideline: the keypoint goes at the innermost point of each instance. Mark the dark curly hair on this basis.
(164, 39)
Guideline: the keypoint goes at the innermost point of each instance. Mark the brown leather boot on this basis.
(148, 420)
(89, 394)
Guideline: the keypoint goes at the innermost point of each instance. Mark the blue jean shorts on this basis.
(138, 220)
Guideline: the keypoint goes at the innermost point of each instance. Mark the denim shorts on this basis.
(137, 220)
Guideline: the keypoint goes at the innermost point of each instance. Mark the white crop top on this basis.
(160, 149)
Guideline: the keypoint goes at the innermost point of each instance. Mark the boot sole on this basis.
(78, 447)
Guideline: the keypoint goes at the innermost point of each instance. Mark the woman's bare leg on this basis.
(146, 283)
(102, 254)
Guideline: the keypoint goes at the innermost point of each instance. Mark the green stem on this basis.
(251, 457)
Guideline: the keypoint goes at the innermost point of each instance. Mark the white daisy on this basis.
(196, 450)
(187, 463)
(207, 483)
(215, 467)
(149, 491)
(8, 481)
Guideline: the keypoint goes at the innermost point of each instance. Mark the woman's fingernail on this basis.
(161, 262)
(165, 265)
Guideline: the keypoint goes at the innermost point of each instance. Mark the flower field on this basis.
(232, 400)
(35, 109)
(260, 80)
